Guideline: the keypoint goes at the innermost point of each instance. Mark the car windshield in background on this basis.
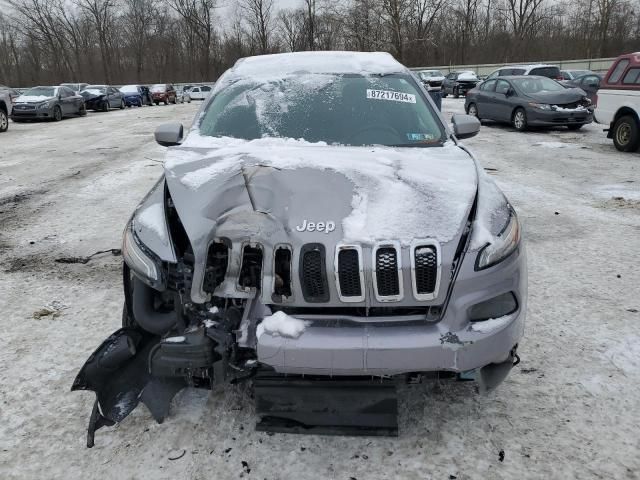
(431, 73)
(549, 72)
(40, 92)
(129, 89)
(159, 88)
(95, 90)
(337, 109)
(537, 85)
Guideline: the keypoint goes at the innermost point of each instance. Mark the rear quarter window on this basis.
(632, 77)
(618, 70)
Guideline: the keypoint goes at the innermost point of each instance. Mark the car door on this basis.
(195, 93)
(114, 100)
(485, 99)
(503, 100)
(206, 90)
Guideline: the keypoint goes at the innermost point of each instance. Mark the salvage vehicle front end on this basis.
(367, 250)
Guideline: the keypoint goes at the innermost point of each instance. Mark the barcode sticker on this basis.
(390, 95)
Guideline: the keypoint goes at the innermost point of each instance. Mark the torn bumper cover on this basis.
(132, 366)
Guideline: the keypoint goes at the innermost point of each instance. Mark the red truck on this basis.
(619, 102)
(163, 92)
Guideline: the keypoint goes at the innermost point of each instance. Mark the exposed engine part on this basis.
(217, 264)
(251, 269)
(282, 273)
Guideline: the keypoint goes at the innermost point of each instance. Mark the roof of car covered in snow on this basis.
(317, 62)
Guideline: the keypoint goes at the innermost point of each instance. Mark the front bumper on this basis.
(31, 114)
(548, 118)
(452, 344)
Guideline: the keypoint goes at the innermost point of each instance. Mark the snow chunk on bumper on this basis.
(282, 325)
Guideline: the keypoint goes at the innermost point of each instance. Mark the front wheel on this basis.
(105, 106)
(626, 136)
(83, 110)
(57, 114)
(122, 105)
(519, 120)
(456, 94)
(4, 121)
(473, 110)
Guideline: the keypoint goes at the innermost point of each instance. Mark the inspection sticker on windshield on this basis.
(389, 95)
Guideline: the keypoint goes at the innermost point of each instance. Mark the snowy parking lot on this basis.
(571, 409)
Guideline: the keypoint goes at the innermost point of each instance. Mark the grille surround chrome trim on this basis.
(396, 246)
(427, 242)
(344, 246)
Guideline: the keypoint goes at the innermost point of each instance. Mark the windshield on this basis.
(159, 88)
(537, 85)
(129, 89)
(431, 73)
(579, 73)
(337, 109)
(40, 92)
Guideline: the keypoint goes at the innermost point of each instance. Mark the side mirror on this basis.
(169, 134)
(465, 126)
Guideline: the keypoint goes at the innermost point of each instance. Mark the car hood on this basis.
(92, 94)
(433, 79)
(274, 191)
(33, 99)
(569, 95)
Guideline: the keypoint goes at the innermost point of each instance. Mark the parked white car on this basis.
(200, 92)
(183, 95)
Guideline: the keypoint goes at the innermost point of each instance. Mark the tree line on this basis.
(148, 41)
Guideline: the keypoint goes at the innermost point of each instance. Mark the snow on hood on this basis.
(372, 193)
(33, 98)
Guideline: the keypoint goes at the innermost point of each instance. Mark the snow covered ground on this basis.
(571, 409)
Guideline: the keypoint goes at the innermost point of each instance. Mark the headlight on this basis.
(44, 105)
(502, 245)
(541, 106)
(136, 258)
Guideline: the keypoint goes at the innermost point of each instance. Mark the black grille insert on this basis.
(349, 273)
(387, 280)
(251, 268)
(282, 272)
(426, 269)
(217, 262)
(313, 273)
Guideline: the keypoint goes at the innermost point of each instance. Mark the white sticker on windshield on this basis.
(389, 95)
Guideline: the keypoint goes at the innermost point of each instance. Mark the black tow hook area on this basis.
(133, 366)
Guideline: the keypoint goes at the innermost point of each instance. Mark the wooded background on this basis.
(148, 41)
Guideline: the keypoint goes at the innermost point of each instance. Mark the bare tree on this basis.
(258, 13)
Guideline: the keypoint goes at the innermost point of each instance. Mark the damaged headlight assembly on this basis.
(138, 258)
(502, 245)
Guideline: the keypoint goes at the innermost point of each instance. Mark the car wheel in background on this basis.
(166, 101)
(4, 121)
(105, 106)
(473, 110)
(57, 113)
(83, 110)
(575, 127)
(519, 120)
(122, 105)
(444, 93)
(626, 134)
(157, 103)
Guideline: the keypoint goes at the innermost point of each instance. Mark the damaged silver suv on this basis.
(321, 232)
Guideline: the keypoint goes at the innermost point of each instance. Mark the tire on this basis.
(166, 101)
(473, 110)
(157, 103)
(575, 127)
(4, 121)
(519, 119)
(626, 134)
(122, 105)
(455, 92)
(105, 106)
(57, 113)
(83, 110)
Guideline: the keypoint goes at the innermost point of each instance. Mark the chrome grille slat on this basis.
(349, 273)
(425, 269)
(387, 272)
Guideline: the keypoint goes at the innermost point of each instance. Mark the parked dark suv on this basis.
(459, 83)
